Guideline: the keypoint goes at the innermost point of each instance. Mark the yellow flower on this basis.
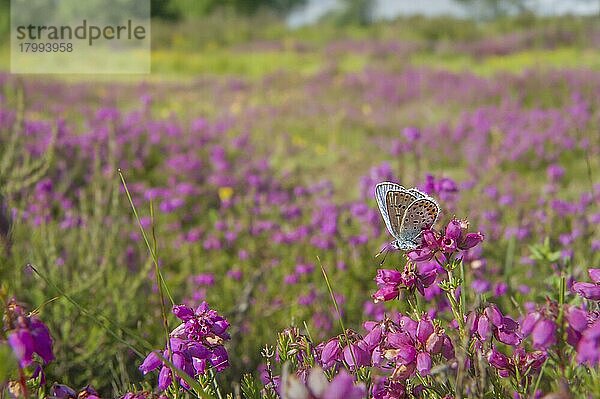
(366, 109)
(225, 193)
(298, 141)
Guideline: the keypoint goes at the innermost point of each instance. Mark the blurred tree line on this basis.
(177, 9)
(350, 11)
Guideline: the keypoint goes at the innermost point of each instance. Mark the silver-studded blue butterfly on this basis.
(406, 213)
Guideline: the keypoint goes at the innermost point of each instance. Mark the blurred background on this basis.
(259, 136)
(198, 36)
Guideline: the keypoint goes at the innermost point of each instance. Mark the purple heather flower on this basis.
(60, 391)
(523, 364)
(588, 348)
(455, 238)
(357, 355)
(164, 378)
(316, 386)
(150, 363)
(555, 172)
(235, 274)
(331, 353)
(196, 345)
(491, 321)
(589, 290)
(390, 282)
(421, 254)
(204, 279)
(389, 389)
(411, 346)
(411, 133)
(28, 335)
(541, 329)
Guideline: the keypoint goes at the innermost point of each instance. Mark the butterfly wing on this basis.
(397, 203)
(420, 215)
(389, 197)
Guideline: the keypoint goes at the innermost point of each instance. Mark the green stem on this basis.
(337, 309)
(145, 237)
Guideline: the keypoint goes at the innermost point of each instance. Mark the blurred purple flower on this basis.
(589, 290)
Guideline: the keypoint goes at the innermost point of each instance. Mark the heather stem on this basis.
(458, 311)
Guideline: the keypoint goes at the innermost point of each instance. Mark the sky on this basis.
(392, 8)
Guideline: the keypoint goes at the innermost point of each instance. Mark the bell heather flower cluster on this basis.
(196, 345)
(583, 332)
(455, 238)
(409, 346)
(390, 282)
(521, 364)
(489, 323)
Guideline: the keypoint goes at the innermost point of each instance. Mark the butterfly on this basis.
(406, 213)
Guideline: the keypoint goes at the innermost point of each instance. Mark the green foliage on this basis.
(8, 363)
(186, 8)
(18, 169)
(356, 12)
(250, 387)
(490, 9)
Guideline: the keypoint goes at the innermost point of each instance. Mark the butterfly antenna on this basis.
(386, 250)
(382, 249)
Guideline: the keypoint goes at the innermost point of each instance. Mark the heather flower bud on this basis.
(544, 334)
(483, 327)
(594, 275)
(60, 391)
(587, 290)
(423, 363)
(494, 315)
(472, 320)
(356, 355)
(453, 230)
(164, 378)
(386, 293)
(424, 330)
(529, 323)
(151, 362)
(331, 353)
(420, 254)
(498, 360)
(397, 339)
(388, 276)
(447, 349)
(373, 338)
(405, 354)
(430, 240)
(434, 343)
(183, 312)
(470, 240)
(577, 319)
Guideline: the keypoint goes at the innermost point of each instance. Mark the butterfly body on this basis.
(406, 213)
